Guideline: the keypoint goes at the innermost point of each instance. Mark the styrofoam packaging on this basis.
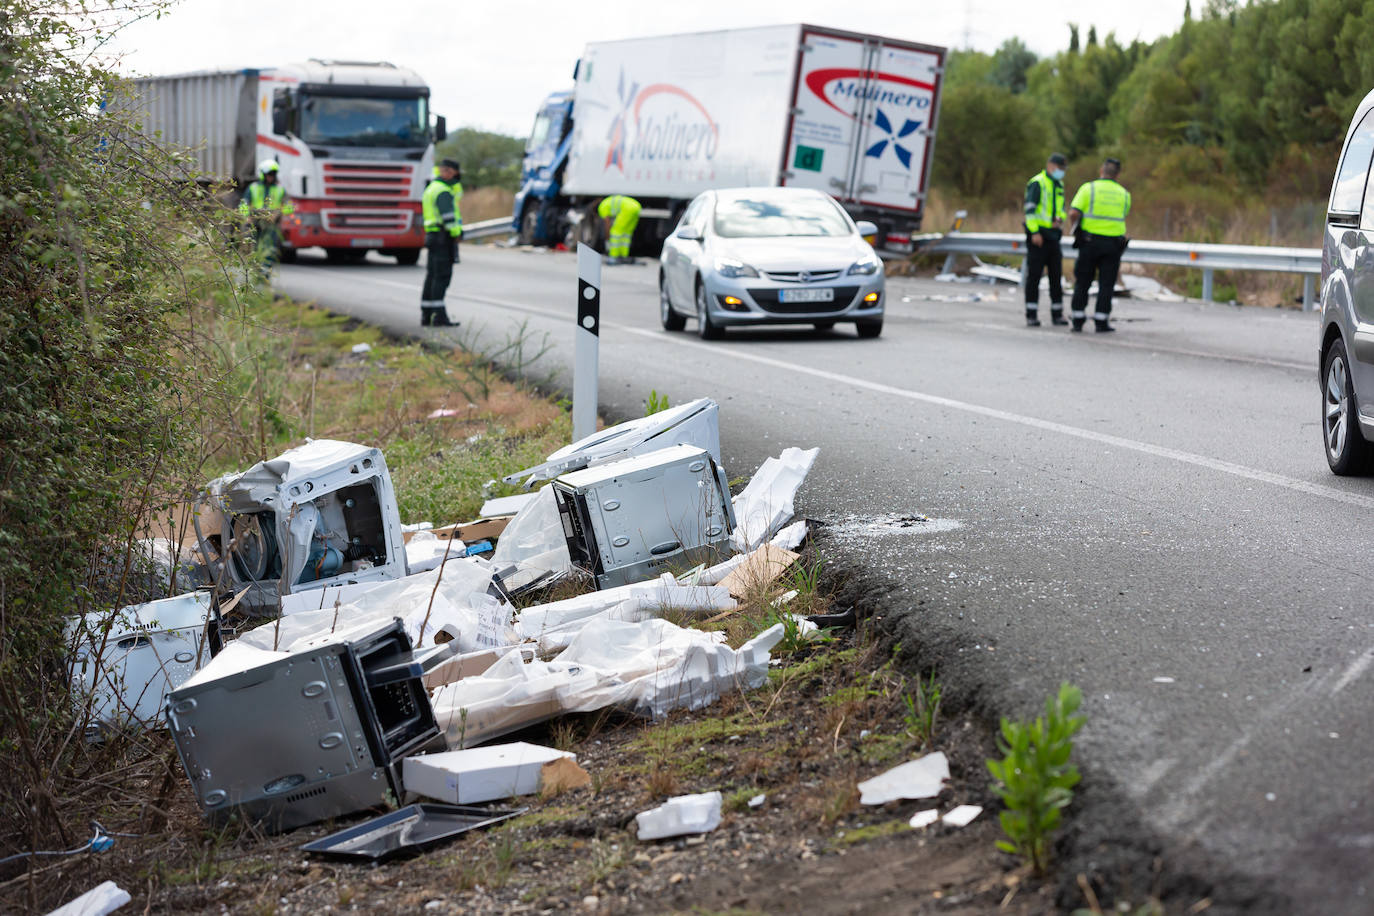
(682, 814)
(479, 774)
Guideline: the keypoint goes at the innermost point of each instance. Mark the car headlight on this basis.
(866, 267)
(732, 267)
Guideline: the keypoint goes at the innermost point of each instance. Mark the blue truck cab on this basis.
(541, 179)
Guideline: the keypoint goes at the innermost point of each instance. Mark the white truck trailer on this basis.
(353, 140)
(663, 119)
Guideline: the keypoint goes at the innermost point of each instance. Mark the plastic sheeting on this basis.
(766, 504)
(679, 816)
(535, 537)
(646, 668)
(102, 899)
(553, 625)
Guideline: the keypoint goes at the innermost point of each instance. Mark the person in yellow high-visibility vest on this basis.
(443, 226)
(263, 204)
(620, 214)
(1044, 228)
(1097, 216)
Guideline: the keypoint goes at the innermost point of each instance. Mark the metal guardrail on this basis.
(488, 227)
(1204, 257)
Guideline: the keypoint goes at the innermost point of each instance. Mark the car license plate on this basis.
(367, 243)
(824, 294)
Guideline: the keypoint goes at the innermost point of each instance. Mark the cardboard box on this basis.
(479, 774)
(482, 529)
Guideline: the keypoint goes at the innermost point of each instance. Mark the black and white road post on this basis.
(585, 358)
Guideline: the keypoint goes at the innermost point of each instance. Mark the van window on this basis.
(1348, 192)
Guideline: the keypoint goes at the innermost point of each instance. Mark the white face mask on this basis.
(1057, 174)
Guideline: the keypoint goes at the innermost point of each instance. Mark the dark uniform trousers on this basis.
(1040, 258)
(1100, 255)
(440, 249)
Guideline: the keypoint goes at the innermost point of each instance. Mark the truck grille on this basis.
(366, 220)
(768, 301)
(373, 181)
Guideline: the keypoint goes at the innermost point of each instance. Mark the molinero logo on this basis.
(894, 100)
(671, 128)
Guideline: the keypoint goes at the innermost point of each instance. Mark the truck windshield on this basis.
(360, 121)
(773, 215)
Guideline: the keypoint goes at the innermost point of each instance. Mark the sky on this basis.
(490, 65)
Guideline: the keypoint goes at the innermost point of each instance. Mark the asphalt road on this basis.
(1148, 515)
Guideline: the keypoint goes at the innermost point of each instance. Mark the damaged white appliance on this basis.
(479, 774)
(632, 519)
(318, 515)
(694, 423)
(127, 665)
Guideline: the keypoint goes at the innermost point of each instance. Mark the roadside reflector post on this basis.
(1207, 284)
(588, 334)
(1307, 292)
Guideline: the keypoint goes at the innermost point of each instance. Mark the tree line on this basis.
(1239, 101)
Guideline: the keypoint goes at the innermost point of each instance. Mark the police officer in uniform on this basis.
(1044, 229)
(263, 204)
(1097, 216)
(443, 226)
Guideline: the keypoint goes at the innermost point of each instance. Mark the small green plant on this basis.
(922, 710)
(655, 403)
(1034, 778)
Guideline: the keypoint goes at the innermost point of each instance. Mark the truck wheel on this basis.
(1347, 452)
(287, 256)
(529, 222)
(408, 257)
(869, 329)
(672, 321)
(706, 330)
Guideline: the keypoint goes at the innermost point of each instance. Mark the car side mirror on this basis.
(440, 128)
(688, 233)
(868, 230)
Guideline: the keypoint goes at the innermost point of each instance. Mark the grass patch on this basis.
(866, 834)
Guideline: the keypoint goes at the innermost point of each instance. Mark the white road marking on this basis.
(1155, 348)
(1357, 668)
(850, 381)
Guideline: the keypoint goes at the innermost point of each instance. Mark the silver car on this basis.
(1347, 297)
(755, 256)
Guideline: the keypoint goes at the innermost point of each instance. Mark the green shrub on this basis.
(1034, 778)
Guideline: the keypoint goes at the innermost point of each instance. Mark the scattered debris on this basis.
(962, 816)
(102, 899)
(923, 777)
(759, 569)
(922, 819)
(360, 348)
(408, 830)
(757, 801)
(479, 774)
(680, 816)
(508, 505)
(766, 503)
(562, 775)
(441, 412)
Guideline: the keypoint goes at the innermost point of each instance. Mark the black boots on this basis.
(435, 315)
(1057, 317)
(1101, 327)
(1032, 320)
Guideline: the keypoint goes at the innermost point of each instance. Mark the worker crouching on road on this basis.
(1097, 216)
(620, 214)
(443, 226)
(263, 205)
(1044, 229)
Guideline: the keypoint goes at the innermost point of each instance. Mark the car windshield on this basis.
(773, 215)
(360, 121)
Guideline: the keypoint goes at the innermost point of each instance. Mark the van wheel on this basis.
(672, 321)
(1347, 452)
(408, 257)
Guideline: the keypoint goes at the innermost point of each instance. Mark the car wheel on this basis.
(1346, 449)
(705, 328)
(822, 325)
(672, 321)
(408, 257)
(869, 329)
